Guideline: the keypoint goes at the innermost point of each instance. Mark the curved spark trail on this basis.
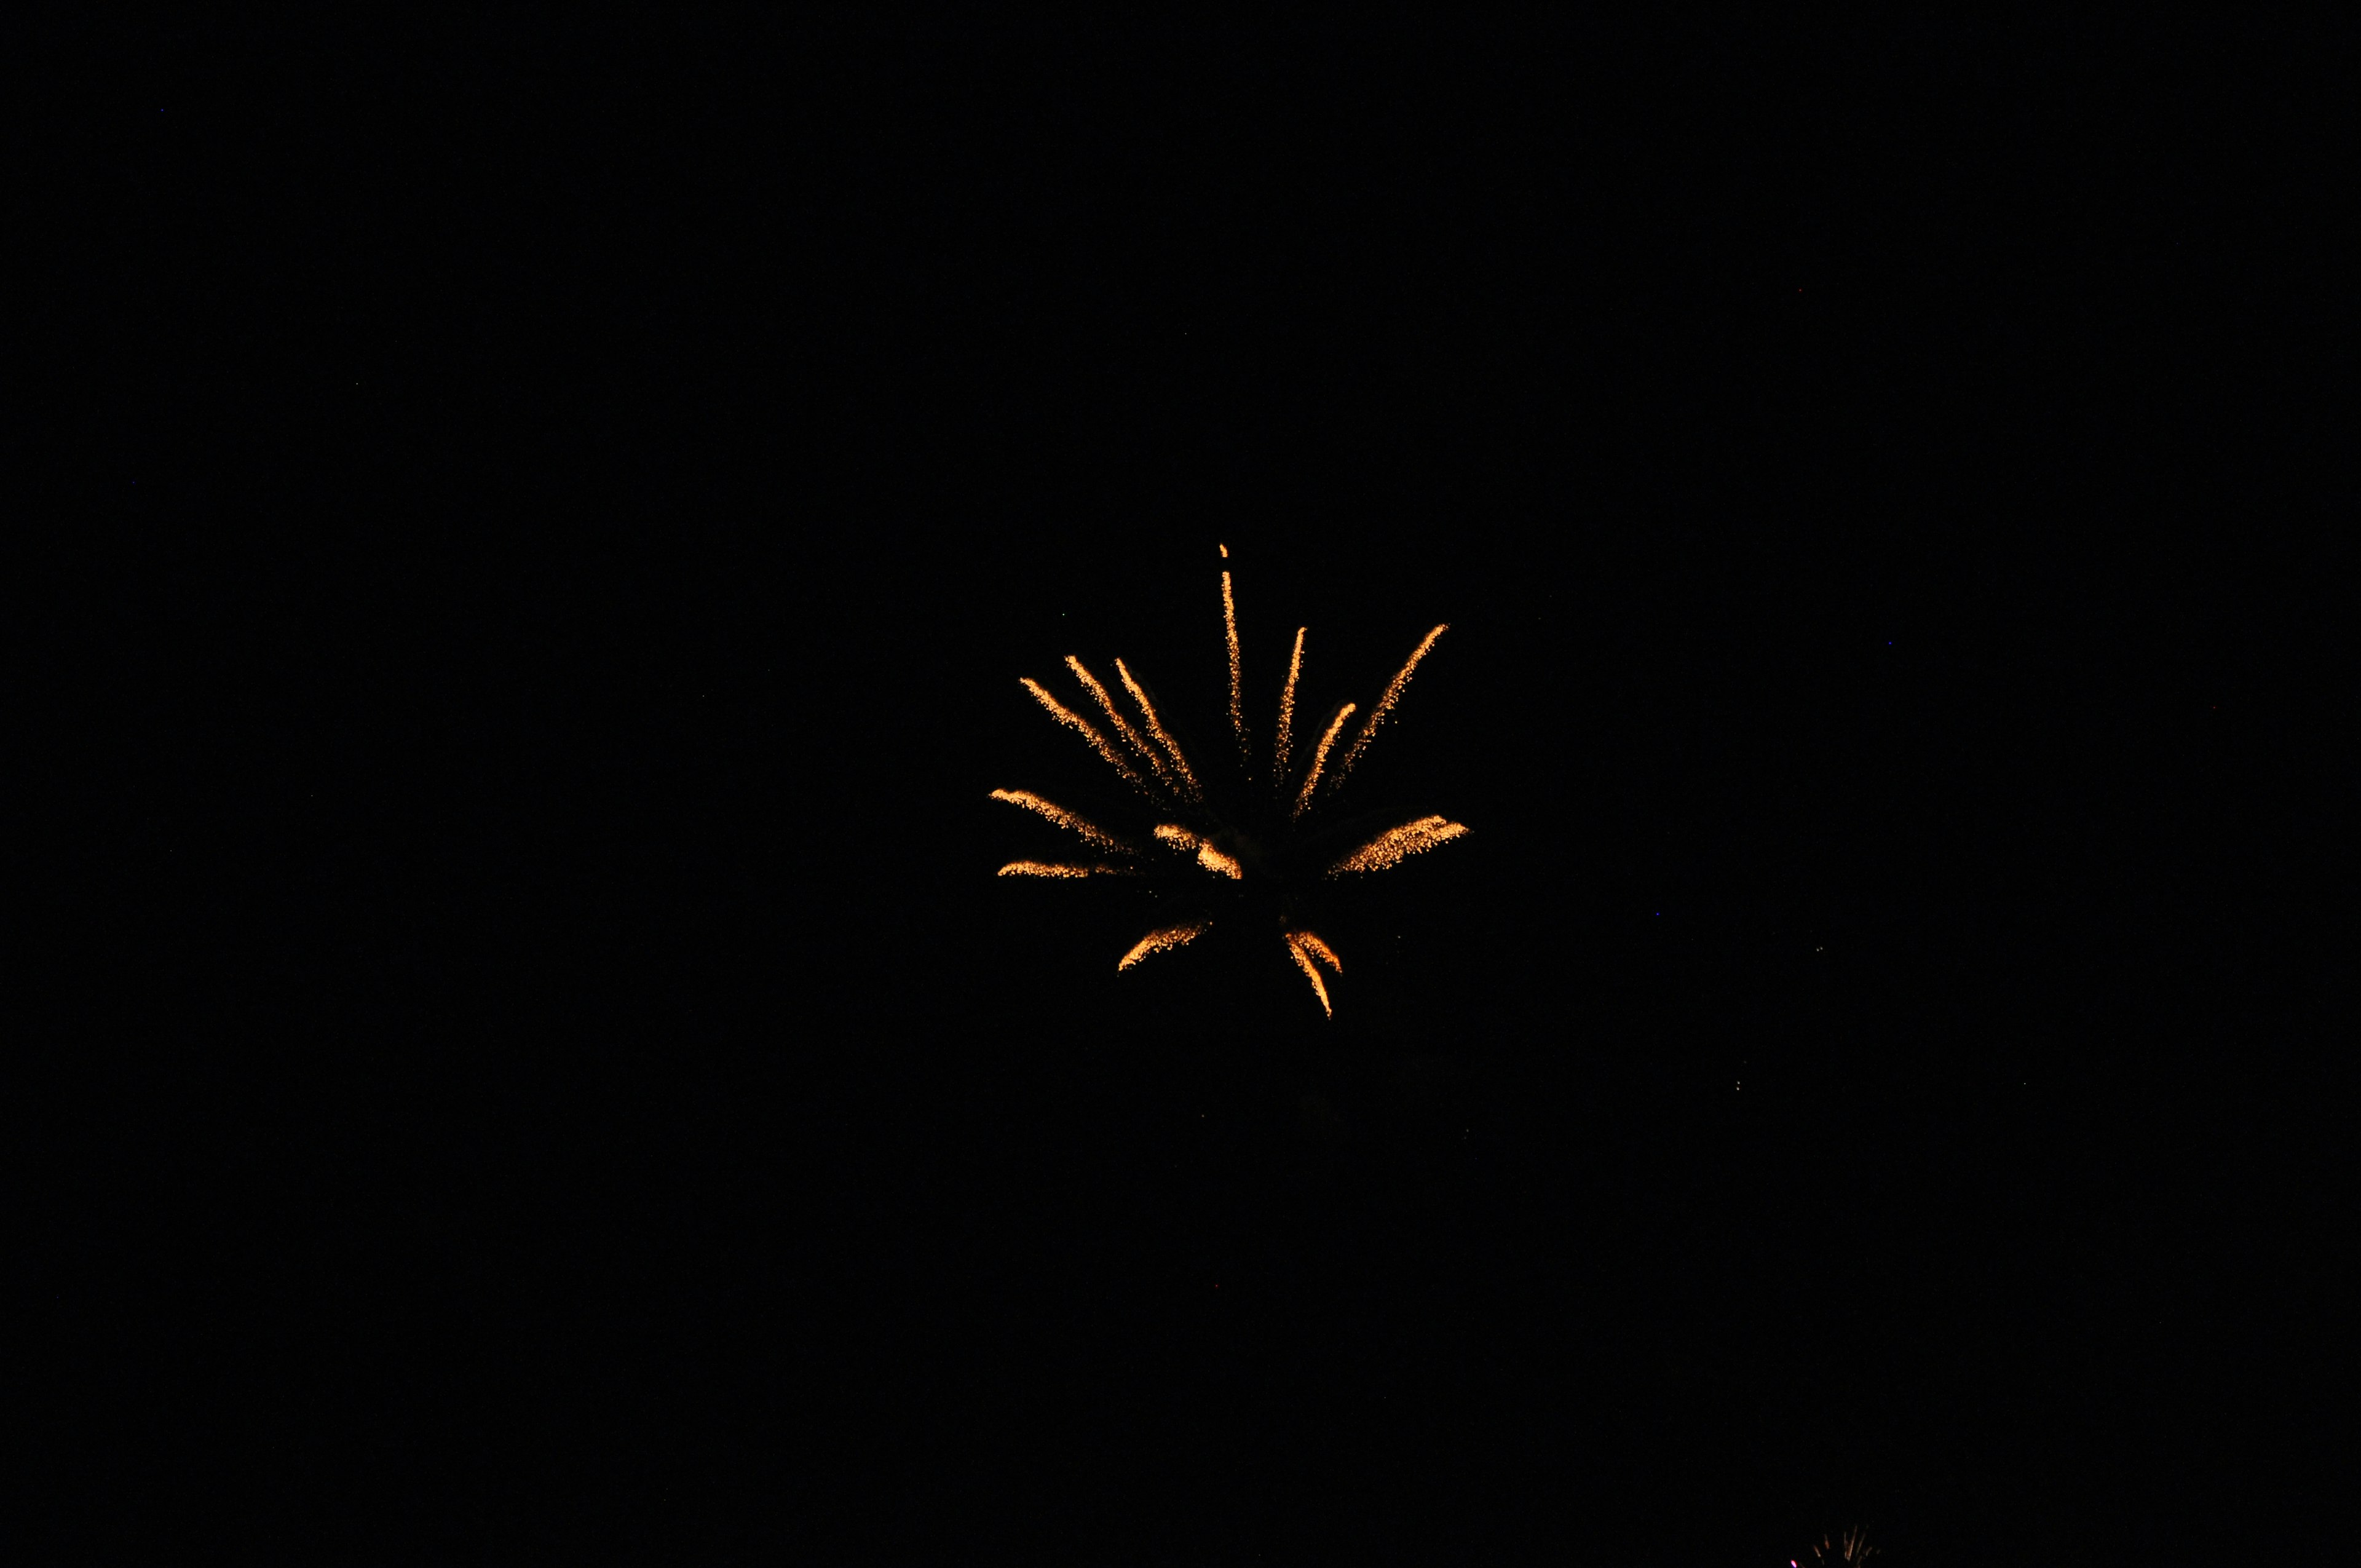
(1303, 956)
(1397, 844)
(1311, 943)
(1161, 941)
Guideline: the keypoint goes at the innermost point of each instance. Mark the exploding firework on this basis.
(1846, 1550)
(1248, 851)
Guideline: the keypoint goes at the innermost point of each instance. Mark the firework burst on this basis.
(1846, 1550)
(1249, 849)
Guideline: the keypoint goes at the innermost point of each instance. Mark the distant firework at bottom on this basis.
(1250, 849)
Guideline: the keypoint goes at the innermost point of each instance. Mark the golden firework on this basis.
(1247, 846)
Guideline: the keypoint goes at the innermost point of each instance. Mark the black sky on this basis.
(560, 515)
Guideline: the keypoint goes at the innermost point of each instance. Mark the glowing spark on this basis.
(1177, 836)
(1158, 941)
(1075, 721)
(1122, 726)
(1320, 759)
(1220, 864)
(1392, 847)
(1156, 727)
(1311, 971)
(1286, 703)
(1312, 944)
(1385, 705)
(1090, 833)
(1238, 673)
(1038, 868)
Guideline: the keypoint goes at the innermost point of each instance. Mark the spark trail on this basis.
(1155, 942)
(1302, 953)
(1088, 832)
(1287, 707)
(1385, 705)
(1084, 727)
(1397, 845)
(1156, 727)
(1319, 759)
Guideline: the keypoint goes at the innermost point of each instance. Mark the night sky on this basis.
(562, 512)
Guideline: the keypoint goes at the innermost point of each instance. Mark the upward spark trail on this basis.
(1238, 671)
(1319, 757)
(1385, 705)
(1287, 703)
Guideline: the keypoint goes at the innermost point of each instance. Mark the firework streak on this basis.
(1158, 941)
(1301, 952)
(1062, 817)
(1319, 759)
(1287, 705)
(1397, 844)
(1385, 705)
(1088, 732)
(1237, 670)
(1156, 727)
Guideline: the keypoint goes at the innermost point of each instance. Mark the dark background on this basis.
(562, 508)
